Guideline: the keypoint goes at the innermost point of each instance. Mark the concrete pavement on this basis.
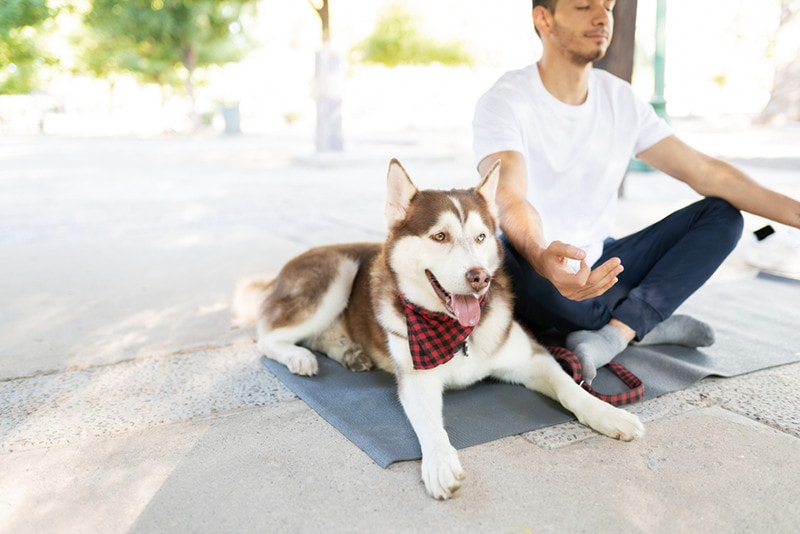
(130, 403)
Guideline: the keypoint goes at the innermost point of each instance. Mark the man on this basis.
(565, 133)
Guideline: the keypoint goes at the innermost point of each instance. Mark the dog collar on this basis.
(434, 338)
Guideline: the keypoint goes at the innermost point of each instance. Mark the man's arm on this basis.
(714, 178)
(522, 225)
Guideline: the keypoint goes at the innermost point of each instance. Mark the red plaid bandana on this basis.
(434, 338)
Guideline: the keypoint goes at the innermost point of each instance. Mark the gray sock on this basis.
(595, 348)
(680, 330)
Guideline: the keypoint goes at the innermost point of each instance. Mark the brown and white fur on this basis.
(342, 300)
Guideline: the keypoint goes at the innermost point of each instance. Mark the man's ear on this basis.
(488, 187)
(399, 192)
(542, 20)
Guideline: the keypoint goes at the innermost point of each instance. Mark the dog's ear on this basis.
(488, 187)
(400, 191)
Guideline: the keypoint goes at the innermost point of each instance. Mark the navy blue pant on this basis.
(664, 264)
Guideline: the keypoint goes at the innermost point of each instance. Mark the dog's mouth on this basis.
(465, 308)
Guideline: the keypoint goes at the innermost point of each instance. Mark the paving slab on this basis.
(283, 469)
(85, 404)
(78, 303)
(706, 469)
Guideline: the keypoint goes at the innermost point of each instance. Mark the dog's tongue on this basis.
(466, 308)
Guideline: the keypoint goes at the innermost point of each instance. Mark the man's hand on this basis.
(581, 285)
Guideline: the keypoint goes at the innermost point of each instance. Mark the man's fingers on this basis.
(612, 265)
(606, 272)
(583, 273)
(604, 277)
(567, 251)
(586, 284)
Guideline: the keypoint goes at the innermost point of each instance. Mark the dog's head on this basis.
(442, 248)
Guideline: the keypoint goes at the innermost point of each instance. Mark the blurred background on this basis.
(333, 70)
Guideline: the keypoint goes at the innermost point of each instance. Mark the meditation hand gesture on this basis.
(553, 264)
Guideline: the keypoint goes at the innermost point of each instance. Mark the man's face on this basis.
(582, 29)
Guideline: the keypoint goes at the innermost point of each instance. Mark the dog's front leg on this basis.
(550, 379)
(421, 395)
(528, 363)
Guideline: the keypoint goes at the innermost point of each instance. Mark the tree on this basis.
(397, 40)
(784, 101)
(164, 41)
(327, 87)
(19, 54)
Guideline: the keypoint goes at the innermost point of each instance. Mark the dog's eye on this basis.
(481, 238)
(439, 236)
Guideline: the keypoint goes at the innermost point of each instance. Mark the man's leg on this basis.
(664, 264)
(671, 259)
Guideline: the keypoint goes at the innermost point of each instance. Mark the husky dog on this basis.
(431, 304)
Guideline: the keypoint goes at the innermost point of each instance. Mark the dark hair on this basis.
(549, 4)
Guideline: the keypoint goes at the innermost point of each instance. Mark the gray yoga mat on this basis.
(756, 323)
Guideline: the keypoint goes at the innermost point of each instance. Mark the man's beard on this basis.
(582, 59)
(577, 58)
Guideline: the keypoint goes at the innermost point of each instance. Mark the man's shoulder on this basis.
(609, 81)
(513, 80)
(606, 76)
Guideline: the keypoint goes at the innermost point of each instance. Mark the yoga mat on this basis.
(757, 324)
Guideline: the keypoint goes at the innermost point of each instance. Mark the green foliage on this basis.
(16, 14)
(398, 40)
(19, 54)
(164, 41)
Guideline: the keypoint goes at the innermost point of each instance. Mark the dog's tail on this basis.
(248, 296)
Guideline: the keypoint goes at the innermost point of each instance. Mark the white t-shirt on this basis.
(575, 156)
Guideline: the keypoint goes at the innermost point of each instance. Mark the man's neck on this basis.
(567, 82)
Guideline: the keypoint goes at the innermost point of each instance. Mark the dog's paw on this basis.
(619, 424)
(303, 364)
(442, 473)
(356, 360)
(298, 360)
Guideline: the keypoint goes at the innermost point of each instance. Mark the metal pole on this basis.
(658, 101)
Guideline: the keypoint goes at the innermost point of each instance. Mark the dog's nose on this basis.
(478, 278)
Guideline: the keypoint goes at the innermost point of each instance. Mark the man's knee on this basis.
(727, 218)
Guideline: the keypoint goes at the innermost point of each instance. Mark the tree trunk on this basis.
(328, 83)
(190, 64)
(328, 88)
(325, 19)
(784, 101)
(619, 56)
